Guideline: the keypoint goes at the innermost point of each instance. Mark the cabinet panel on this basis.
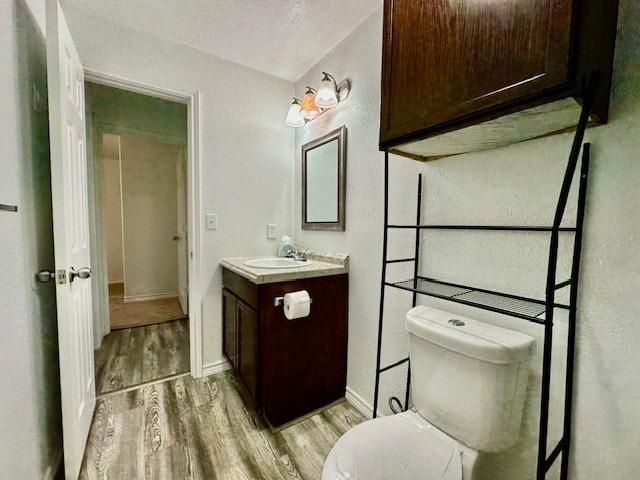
(448, 58)
(241, 287)
(230, 327)
(248, 350)
(304, 360)
(452, 64)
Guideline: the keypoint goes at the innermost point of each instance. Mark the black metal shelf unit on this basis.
(538, 311)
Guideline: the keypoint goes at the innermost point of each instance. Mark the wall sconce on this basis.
(316, 102)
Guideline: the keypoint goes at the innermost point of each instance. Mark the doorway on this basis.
(144, 205)
(141, 184)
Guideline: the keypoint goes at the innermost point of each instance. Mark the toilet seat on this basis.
(399, 447)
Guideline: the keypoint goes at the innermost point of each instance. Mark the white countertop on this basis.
(322, 265)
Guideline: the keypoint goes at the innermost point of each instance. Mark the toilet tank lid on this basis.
(467, 336)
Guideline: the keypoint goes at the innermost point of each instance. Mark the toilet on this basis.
(468, 381)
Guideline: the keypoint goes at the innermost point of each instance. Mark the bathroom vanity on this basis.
(286, 368)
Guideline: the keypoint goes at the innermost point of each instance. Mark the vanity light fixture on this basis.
(316, 102)
(309, 109)
(294, 119)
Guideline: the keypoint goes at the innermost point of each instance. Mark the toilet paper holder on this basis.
(279, 301)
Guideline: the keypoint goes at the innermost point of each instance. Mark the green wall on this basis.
(117, 111)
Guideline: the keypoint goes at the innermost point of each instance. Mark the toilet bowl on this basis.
(468, 386)
(399, 447)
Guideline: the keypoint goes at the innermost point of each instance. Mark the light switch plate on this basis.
(211, 220)
(271, 231)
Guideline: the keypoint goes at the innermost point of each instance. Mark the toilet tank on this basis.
(468, 378)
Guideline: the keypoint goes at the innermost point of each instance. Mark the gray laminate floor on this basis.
(199, 429)
(134, 356)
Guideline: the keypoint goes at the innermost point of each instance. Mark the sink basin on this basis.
(276, 262)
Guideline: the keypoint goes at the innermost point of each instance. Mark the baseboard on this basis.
(359, 403)
(52, 470)
(215, 367)
(144, 298)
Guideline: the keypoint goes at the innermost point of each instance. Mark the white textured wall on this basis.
(516, 184)
(112, 204)
(246, 149)
(358, 58)
(150, 217)
(30, 438)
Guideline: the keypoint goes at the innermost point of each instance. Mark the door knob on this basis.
(45, 276)
(80, 273)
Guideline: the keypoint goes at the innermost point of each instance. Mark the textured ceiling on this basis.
(284, 38)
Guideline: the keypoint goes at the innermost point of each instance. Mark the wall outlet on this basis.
(271, 231)
(211, 221)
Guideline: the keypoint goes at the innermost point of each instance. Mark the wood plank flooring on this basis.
(134, 356)
(199, 429)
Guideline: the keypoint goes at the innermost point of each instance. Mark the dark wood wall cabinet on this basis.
(286, 368)
(466, 75)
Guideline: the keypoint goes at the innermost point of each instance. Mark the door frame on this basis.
(192, 100)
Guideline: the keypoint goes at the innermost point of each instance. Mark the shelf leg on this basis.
(541, 470)
(416, 267)
(376, 390)
(573, 303)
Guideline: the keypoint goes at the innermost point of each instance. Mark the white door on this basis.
(183, 260)
(71, 237)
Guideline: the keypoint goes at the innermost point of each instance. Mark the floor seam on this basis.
(142, 385)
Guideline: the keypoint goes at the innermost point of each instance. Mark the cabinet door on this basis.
(304, 360)
(446, 61)
(230, 327)
(248, 350)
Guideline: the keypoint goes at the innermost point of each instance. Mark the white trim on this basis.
(215, 367)
(359, 403)
(192, 99)
(121, 192)
(152, 296)
(194, 234)
(54, 466)
(93, 74)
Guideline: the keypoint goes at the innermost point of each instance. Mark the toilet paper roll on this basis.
(297, 304)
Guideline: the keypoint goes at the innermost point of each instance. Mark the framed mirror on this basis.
(324, 182)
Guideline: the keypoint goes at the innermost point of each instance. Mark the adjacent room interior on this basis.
(141, 184)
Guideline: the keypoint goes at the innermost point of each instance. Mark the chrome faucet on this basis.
(297, 255)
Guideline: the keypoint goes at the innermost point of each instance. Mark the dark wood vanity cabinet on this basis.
(448, 64)
(286, 368)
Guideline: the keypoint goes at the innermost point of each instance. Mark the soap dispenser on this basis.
(285, 247)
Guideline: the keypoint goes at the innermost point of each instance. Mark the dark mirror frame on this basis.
(341, 135)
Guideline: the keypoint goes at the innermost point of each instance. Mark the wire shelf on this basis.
(500, 228)
(526, 308)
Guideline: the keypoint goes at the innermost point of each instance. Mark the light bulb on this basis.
(308, 109)
(326, 96)
(294, 119)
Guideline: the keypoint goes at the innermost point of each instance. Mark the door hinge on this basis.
(61, 277)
